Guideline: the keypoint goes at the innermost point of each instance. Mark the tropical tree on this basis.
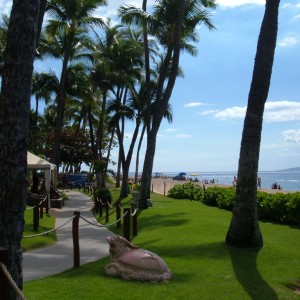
(173, 23)
(44, 85)
(70, 16)
(14, 122)
(244, 228)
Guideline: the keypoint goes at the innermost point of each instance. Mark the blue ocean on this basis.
(287, 180)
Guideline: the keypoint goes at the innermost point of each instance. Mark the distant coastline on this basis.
(297, 169)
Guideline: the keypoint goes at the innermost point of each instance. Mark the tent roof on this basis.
(37, 163)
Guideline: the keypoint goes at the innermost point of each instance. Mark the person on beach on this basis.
(259, 182)
(234, 181)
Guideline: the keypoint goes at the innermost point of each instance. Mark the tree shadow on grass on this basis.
(244, 262)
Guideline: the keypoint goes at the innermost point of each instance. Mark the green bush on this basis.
(278, 207)
(103, 194)
(186, 191)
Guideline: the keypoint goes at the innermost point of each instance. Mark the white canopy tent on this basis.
(36, 163)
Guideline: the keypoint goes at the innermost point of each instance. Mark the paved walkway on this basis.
(55, 259)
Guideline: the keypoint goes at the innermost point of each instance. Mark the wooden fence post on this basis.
(47, 205)
(126, 224)
(152, 187)
(164, 188)
(106, 212)
(76, 250)
(134, 222)
(41, 207)
(118, 214)
(3, 278)
(36, 220)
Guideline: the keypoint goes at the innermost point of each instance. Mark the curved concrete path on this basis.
(55, 259)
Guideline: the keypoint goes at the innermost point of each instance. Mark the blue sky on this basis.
(209, 102)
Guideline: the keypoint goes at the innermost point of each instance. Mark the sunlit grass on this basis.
(189, 236)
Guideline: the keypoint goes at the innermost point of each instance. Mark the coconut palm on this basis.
(44, 85)
(244, 228)
(14, 124)
(173, 23)
(72, 15)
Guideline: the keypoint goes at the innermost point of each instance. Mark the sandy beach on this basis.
(163, 185)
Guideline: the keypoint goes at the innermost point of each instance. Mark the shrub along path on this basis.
(52, 260)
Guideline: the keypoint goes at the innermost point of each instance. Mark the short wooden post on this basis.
(134, 222)
(75, 233)
(36, 220)
(3, 278)
(152, 187)
(47, 205)
(96, 201)
(118, 214)
(41, 206)
(126, 224)
(106, 212)
(164, 188)
(100, 208)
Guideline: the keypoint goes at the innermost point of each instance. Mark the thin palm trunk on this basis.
(244, 228)
(136, 177)
(162, 101)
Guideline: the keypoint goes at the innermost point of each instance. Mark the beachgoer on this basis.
(259, 182)
(234, 181)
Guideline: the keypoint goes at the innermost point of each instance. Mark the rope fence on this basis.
(6, 279)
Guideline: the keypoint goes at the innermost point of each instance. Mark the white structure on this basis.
(36, 163)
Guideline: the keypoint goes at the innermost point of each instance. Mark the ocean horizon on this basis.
(288, 180)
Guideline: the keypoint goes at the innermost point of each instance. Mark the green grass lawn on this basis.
(190, 238)
(46, 223)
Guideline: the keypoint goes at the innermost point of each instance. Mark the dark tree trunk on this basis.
(244, 228)
(14, 124)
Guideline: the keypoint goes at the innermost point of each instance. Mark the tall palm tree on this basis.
(14, 123)
(76, 14)
(173, 23)
(244, 228)
(44, 85)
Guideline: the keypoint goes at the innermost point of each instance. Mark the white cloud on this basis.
(231, 113)
(233, 3)
(193, 104)
(292, 136)
(280, 111)
(288, 41)
(171, 129)
(208, 112)
(183, 136)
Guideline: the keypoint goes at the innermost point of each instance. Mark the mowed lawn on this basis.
(190, 236)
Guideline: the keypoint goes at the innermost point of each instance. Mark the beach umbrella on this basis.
(194, 174)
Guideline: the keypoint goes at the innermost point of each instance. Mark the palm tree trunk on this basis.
(136, 177)
(14, 124)
(162, 101)
(55, 158)
(244, 228)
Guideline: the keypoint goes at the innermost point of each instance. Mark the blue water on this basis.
(287, 180)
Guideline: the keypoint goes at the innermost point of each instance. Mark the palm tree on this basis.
(173, 23)
(244, 228)
(43, 86)
(14, 124)
(71, 15)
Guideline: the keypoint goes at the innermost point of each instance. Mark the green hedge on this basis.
(278, 207)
